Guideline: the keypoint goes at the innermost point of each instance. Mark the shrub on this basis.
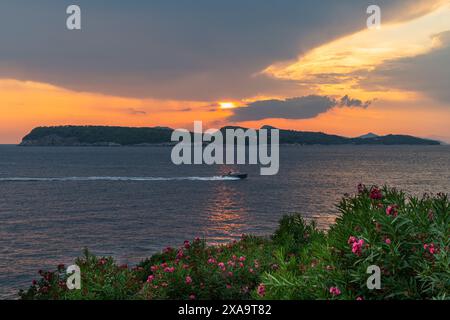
(196, 271)
(192, 271)
(101, 279)
(406, 237)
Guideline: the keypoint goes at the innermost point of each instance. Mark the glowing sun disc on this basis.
(227, 105)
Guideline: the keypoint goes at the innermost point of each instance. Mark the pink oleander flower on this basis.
(431, 248)
(164, 265)
(197, 239)
(251, 270)
(154, 268)
(168, 250)
(188, 280)
(230, 274)
(387, 241)
(335, 291)
(192, 297)
(169, 269)
(261, 290)
(187, 244)
(376, 194)
(241, 265)
(180, 254)
(392, 211)
(231, 263)
(221, 265)
(234, 258)
(212, 261)
(359, 298)
(357, 247)
(351, 240)
(242, 259)
(150, 278)
(229, 286)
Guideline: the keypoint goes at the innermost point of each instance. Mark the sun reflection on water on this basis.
(227, 215)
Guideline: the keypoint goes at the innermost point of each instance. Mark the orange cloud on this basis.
(29, 104)
(339, 65)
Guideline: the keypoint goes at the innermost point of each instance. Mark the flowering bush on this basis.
(102, 279)
(193, 271)
(196, 271)
(406, 237)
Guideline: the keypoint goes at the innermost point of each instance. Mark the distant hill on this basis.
(126, 136)
(95, 136)
(392, 139)
(369, 135)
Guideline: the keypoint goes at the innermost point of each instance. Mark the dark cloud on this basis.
(428, 73)
(294, 108)
(190, 50)
(346, 101)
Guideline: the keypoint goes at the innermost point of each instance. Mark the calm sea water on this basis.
(132, 202)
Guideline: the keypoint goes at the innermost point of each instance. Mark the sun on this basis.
(227, 105)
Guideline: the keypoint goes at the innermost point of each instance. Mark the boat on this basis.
(237, 175)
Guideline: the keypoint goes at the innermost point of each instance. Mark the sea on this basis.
(131, 202)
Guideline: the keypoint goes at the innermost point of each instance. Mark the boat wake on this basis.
(62, 179)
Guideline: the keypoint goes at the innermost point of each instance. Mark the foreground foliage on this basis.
(406, 238)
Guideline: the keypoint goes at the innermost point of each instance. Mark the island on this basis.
(147, 136)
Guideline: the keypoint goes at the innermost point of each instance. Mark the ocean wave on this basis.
(62, 179)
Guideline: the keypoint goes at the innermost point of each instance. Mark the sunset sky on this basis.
(304, 65)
